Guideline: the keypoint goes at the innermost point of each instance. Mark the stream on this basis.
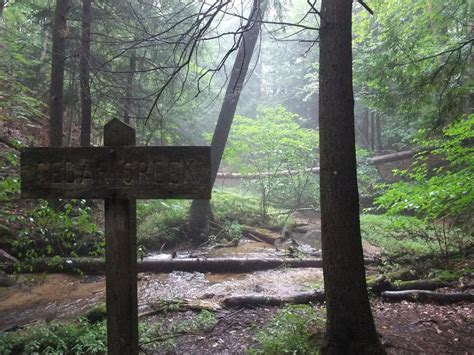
(60, 296)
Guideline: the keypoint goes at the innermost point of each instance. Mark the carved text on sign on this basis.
(104, 172)
(125, 172)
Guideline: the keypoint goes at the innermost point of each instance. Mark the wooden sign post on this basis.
(119, 172)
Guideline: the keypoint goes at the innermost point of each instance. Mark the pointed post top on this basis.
(118, 133)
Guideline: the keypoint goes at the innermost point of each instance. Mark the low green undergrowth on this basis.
(159, 337)
(296, 329)
(163, 222)
(89, 336)
(42, 231)
(402, 236)
(397, 235)
(78, 337)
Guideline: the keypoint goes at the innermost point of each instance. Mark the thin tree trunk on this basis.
(86, 102)
(350, 327)
(378, 133)
(44, 45)
(198, 226)
(129, 88)
(57, 74)
(372, 131)
(364, 128)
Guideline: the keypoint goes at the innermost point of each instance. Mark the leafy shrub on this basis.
(296, 329)
(444, 197)
(397, 235)
(271, 143)
(46, 232)
(234, 207)
(368, 178)
(160, 222)
(56, 338)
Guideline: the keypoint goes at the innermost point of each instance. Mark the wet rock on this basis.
(5, 280)
(97, 314)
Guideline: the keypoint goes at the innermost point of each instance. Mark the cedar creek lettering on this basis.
(122, 172)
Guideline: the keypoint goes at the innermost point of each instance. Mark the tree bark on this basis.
(265, 300)
(427, 296)
(350, 327)
(57, 74)
(94, 266)
(198, 224)
(86, 111)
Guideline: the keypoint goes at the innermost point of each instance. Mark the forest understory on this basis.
(241, 147)
(197, 313)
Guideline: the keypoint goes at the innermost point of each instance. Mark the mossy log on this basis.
(380, 284)
(427, 296)
(180, 305)
(429, 285)
(252, 300)
(265, 300)
(93, 266)
(261, 234)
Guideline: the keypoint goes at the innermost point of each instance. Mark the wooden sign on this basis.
(118, 173)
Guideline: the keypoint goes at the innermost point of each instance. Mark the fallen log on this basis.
(94, 266)
(88, 266)
(378, 159)
(261, 234)
(380, 284)
(179, 305)
(224, 265)
(427, 296)
(262, 300)
(427, 285)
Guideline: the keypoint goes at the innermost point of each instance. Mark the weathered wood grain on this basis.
(116, 172)
(121, 257)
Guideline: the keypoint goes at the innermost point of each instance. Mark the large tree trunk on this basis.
(86, 120)
(198, 227)
(350, 327)
(57, 74)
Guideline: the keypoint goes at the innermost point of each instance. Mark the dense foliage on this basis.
(268, 145)
(412, 63)
(443, 195)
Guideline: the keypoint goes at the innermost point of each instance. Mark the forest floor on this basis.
(404, 327)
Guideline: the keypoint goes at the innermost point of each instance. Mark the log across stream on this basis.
(94, 266)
